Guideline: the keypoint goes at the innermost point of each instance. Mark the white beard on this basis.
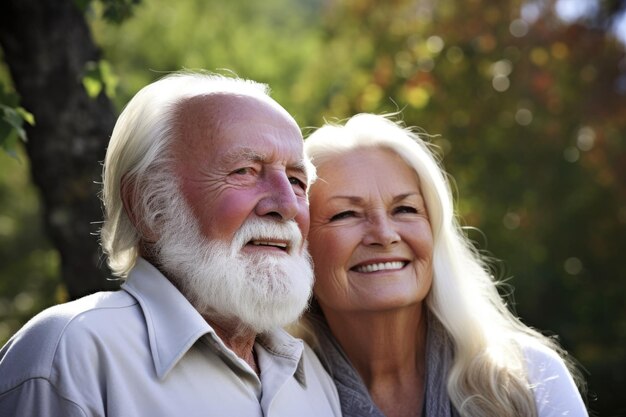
(256, 292)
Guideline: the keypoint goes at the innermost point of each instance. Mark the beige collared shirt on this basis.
(145, 351)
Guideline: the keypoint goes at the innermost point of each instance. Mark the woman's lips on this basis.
(379, 266)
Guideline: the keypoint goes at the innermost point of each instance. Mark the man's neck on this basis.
(239, 339)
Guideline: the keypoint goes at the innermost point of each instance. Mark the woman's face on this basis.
(370, 236)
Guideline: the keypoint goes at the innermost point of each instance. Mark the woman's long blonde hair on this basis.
(488, 376)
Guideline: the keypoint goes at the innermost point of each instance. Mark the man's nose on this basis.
(381, 231)
(280, 200)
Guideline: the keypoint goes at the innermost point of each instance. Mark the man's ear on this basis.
(127, 191)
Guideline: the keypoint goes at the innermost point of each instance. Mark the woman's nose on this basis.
(381, 231)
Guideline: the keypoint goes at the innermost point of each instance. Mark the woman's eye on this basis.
(405, 209)
(343, 215)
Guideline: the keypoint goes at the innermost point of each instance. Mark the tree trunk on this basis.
(46, 44)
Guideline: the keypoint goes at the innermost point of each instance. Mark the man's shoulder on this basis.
(56, 321)
(31, 352)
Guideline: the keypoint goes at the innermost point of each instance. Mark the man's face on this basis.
(233, 226)
(240, 158)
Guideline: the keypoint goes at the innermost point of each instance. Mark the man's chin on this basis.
(263, 319)
(264, 312)
(274, 321)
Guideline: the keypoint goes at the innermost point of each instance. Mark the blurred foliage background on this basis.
(526, 101)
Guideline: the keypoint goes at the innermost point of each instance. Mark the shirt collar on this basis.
(286, 349)
(174, 325)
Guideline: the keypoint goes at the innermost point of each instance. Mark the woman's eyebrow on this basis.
(359, 200)
(350, 198)
(405, 196)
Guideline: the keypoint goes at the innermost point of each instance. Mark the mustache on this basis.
(268, 230)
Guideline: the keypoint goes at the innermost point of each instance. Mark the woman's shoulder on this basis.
(553, 386)
(540, 355)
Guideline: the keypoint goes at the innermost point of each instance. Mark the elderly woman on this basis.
(406, 316)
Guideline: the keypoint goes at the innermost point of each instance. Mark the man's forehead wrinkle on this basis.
(249, 154)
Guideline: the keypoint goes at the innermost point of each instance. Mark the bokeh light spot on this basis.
(518, 28)
(523, 117)
(573, 266)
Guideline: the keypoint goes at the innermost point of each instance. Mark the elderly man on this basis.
(206, 214)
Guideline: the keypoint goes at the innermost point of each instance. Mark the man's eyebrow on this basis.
(246, 154)
(298, 166)
(249, 154)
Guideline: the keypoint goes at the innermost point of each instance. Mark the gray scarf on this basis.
(353, 395)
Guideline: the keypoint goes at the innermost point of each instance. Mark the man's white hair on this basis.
(488, 376)
(139, 144)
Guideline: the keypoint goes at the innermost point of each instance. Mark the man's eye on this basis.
(343, 215)
(298, 182)
(243, 171)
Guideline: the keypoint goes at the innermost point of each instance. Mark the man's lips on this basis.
(278, 244)
(367, 267)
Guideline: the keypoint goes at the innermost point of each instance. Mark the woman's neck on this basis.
(388, 351)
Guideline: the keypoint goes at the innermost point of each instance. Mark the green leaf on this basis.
(108, 78)
(26, 115)
(12, 116)
(92, 85)
(14, 120)
(8, 139)
(99, 76)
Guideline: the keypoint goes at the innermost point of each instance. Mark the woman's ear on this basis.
(128, 193)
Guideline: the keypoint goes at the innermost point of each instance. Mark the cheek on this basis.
(331, 255)
(303, 218)
(428, 283)
(327, 287)
(328, 252)
(421, 241)
(423, 246)
(224, 214)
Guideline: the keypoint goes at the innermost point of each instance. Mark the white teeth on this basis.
(382, 266)
(265, 243)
